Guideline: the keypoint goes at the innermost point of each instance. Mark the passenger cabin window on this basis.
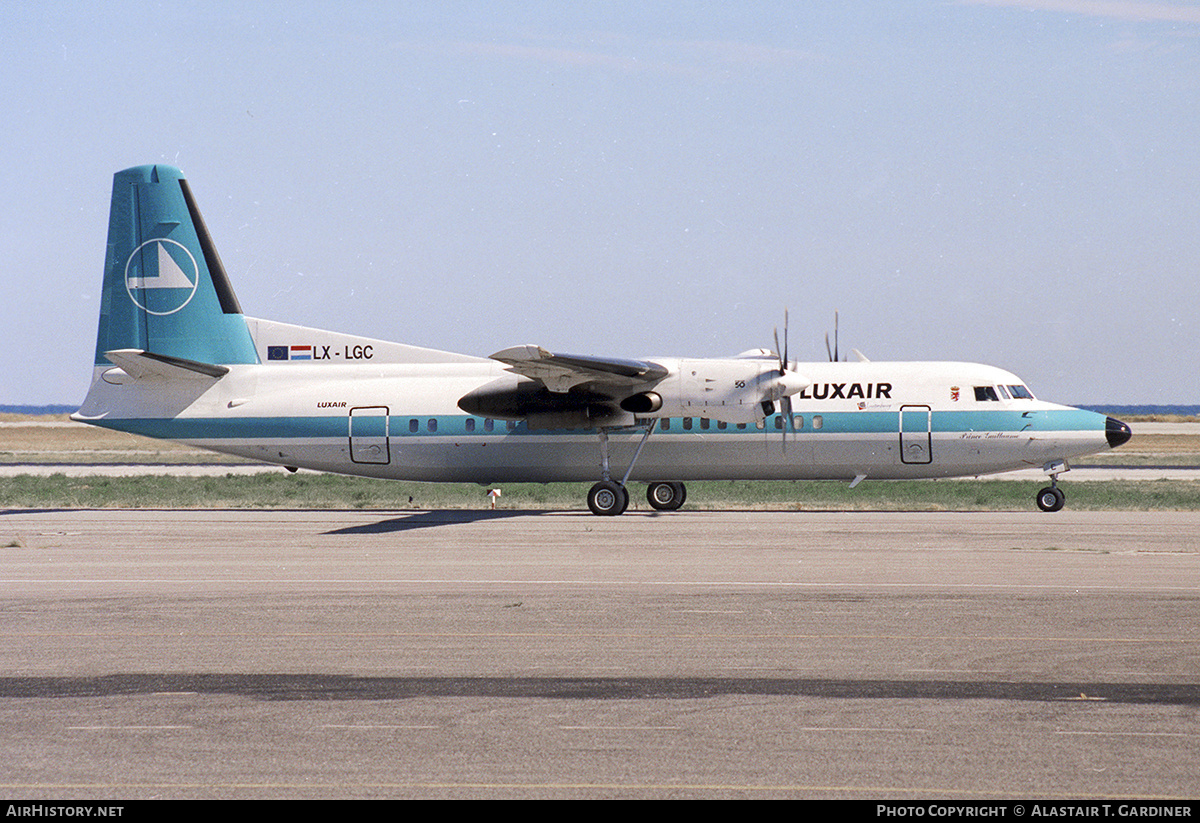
(665, 424)
(986, 393)
(414, 426)
(818, 421)
(432, 426)
(488, 424)
(687, 422)
(470, 424)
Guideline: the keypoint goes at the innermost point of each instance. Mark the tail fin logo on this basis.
(161, 276)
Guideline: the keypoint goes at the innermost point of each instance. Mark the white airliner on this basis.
(177, 359)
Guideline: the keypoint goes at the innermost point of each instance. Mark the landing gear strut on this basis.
(610, 497)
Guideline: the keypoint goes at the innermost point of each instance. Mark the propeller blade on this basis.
(784, 387)
(785, 409)
(784, 360)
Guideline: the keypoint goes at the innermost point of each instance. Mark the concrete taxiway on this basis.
(520, 654)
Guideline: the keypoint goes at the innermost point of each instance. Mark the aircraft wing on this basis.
(561, 372)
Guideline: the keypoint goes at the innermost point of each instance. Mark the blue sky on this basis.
(1008, 182)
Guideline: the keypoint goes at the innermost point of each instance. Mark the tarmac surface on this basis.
(236, 654)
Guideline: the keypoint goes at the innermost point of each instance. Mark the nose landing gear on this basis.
(1051, 498)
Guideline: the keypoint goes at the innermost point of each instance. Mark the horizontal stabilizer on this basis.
(140, 364)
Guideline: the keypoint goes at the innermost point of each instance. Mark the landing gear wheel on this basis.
(608, 499)
(666, 497)
(1051, 499)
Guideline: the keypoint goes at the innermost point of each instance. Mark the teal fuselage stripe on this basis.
(864, 422)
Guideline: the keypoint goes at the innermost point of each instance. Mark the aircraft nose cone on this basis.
(1116, 432)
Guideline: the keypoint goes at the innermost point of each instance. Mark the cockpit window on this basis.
(986, 393)
(1003, 392)
(1020, 393)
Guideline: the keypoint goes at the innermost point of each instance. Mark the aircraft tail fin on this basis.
(165, 290)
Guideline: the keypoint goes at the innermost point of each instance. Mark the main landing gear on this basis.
(609, 497)
(666, 497)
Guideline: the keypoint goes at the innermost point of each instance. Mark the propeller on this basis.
(788, 382)
(785, 399)
(833, 353)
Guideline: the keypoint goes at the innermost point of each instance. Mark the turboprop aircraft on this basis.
(176, 358)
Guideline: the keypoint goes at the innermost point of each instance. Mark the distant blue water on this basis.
(37, 409)
(1119, 410)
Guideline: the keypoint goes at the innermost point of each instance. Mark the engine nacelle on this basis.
(646, 402)
(734, 390)
(512, 398)
(592, 417)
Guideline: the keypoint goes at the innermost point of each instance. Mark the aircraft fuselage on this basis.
(879, 420)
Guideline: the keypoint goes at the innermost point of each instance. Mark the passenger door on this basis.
(916, 434)
(369, 435)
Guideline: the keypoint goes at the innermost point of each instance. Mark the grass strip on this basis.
(329, 491)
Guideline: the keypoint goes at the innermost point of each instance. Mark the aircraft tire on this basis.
(1051, 499)
(608, 499)
(666, 497)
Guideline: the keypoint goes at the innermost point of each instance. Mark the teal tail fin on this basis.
(165, 290)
